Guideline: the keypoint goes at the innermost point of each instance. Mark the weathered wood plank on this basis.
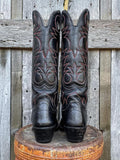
(5, 67)
(93, 89)
(115, 9)
(102, 34)
(105, 9)
(16, 85)
(115, 92)
(105, 82)
(105, 97)
(45, 8)
(5, 9)
(27, 87)
(16, 92)
(115, 105)
(27, 116)
(5, 82)
(75, 8)
(16, 11)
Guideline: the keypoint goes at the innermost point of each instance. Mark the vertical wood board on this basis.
(115, 92)
(93, 89)
(115, 105)
(5, 82)
(16, 93)
(105, 100)
(105, 82)
(115, 9)
(5, 66)
(16, 11)
(5, 9)
(27, 86)
(16, 85)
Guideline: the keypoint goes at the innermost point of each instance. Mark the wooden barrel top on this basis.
(26, 148)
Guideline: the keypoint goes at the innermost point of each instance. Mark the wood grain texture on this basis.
(16, 11)
(75, 8)
(116, 9)
(5, 67)
(102, 34)
(5, 82)
(115, 92)
(106, 9)
(27, 87)
(105, 99)
(16, 85)
(16, 93)
(115, 105)
(105, 84)
(5, 9)
(93, 89)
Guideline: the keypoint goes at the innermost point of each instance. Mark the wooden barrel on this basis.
(26, 148)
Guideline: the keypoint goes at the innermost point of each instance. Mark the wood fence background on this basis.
(104, 67)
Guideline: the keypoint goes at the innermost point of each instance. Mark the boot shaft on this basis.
(74, 59)
(45, 57)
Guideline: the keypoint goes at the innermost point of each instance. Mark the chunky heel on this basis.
(75, 134)
(44, 134)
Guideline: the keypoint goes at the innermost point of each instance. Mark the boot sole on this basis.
(44, 134)
(75, 134)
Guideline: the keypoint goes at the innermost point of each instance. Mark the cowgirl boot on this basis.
(74, 75)
(45, 76)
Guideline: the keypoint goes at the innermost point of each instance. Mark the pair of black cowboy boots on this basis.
(74, 58)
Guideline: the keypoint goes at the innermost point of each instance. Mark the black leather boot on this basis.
(45, 76)
(74, 75)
